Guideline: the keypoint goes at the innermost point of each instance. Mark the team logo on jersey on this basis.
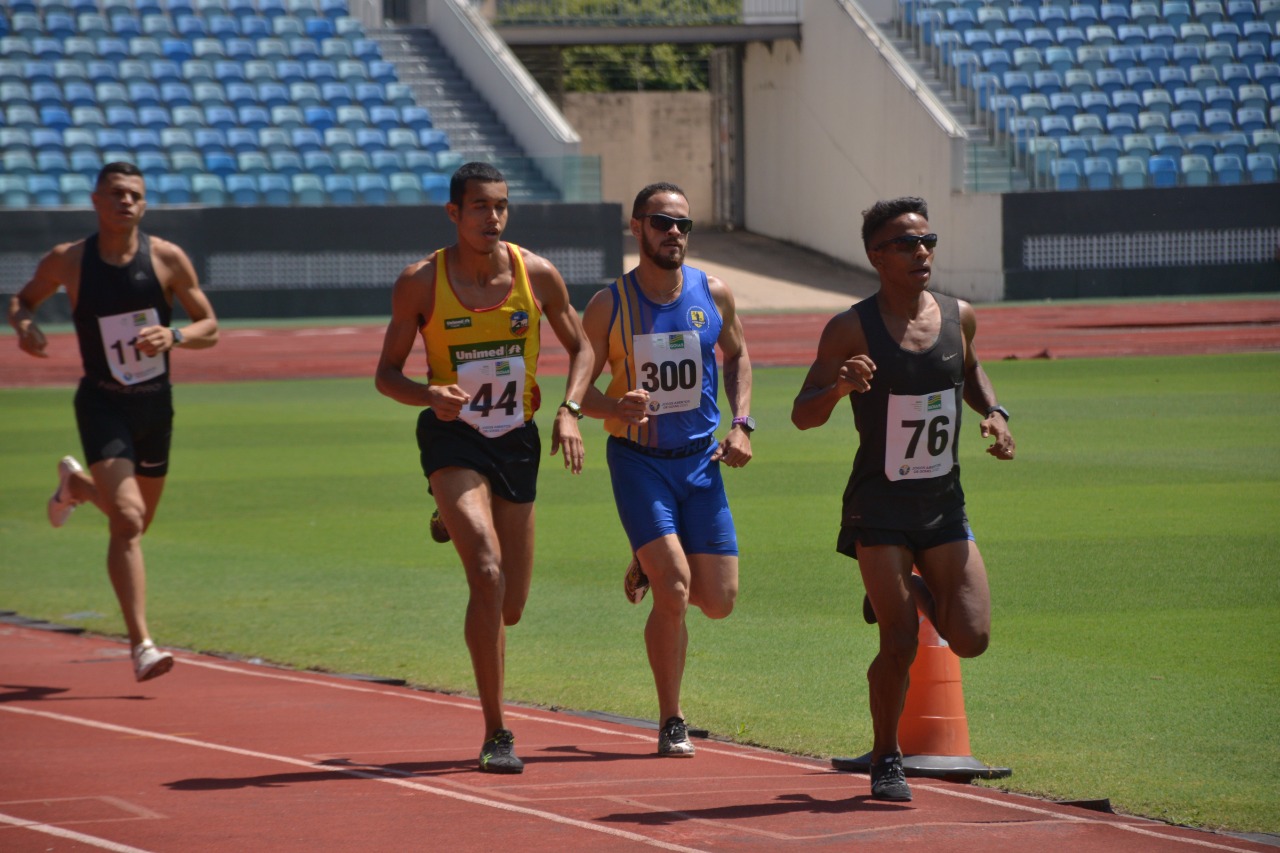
(457, 323)
(935, 402)
(519, 323)
(697, 317)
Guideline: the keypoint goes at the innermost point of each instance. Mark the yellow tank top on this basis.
(491, 337)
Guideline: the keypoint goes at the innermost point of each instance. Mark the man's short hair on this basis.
(119, 167)
(879, 214)
(473, 171)
(642, 197)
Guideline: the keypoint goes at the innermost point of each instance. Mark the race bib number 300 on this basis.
(669, 365)
(119, 340)
(496, 387)
(919, 435)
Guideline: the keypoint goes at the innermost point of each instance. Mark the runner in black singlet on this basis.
(906, 361)
(121, 284)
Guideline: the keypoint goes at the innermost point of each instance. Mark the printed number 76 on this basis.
(938, 435)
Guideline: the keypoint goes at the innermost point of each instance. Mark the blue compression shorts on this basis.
(660, 496)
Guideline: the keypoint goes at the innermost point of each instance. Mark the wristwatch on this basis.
(177, 336)
(574, 408)
(747, 423)
(1001, 409)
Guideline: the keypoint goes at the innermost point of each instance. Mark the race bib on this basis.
(119, 338)
(669, 367)
(496, 387)
(919, 435)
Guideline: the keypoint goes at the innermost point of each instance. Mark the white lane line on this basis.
(419, 786)
(947, 790)
(69, 834)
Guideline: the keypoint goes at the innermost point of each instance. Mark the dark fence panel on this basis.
(1153, 242)
(263, 262)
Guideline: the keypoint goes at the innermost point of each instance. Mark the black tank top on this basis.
(926, 380)
(106, 291)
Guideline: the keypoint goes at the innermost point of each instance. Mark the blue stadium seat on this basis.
(197, 71)
(1066, 174)
(353, 162)
(406, 188)
(44, 190)
(1131, 172)
(274, 139)
(76, 189)
(290, 71)
(1016, 83)
(1170, 144)
(340, 189)
(382, 72)
(1106, 146)
(174, 94)
(243, 189)
(52, 162)
(275, 189)
(305, 94)
(1122, 57)
(419, 162)
(220, 162)
(1099, 173)
(1184, 121)
(387, 162)
(302, 48)
(373, 188)
(186, 163)
(1218, 121)
(317, 163)
(1046, 82)
(1266, 141)
(285, 162)
(1227, 169)
(333, 9)
(1064, 104)
(252, 163)
(209, 140)
(322, 71)
(433, 140)
(228, 71)
(1157, 100)
(1163, 171)
(436, 187)
(1138, 144)
(1126, 101)
(370, 139)
(254, 117)
(355, 71)
(1096, 104)
(152, 163)
(366, 49)
(1262, 168)
(402, 139)
(306, 139)
(55, 117)
(241, 139)
(1195, 170)
(1233, 142)
(351, 116)
(288, 117)
(86, 162)
(79, 139)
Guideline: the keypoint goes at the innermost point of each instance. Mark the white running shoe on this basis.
(61, 504)
(149, 662)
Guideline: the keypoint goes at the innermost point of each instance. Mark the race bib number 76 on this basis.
(919, 435)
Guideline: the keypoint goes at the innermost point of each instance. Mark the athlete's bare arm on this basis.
(979, 393)
(630, 407)
(59, 268)
(552, 294)
(178, 279)
(735, 449)
(841, 367)
(412, 301)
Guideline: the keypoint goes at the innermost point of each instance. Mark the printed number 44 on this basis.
(483, 403)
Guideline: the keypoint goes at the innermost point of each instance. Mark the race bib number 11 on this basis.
(919, 435)
(119, 340)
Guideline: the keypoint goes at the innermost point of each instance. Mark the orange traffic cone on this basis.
(933, 731)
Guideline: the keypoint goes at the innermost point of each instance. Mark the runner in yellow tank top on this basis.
(483, 345)
(477, 305)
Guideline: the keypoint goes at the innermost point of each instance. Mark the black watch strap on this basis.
(1001, 409)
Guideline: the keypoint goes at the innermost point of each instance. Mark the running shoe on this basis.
(438, 531)
(889, 780)
(150, 662)
(61, 504)
(498, 755)
(868, 612)
(673, 740)
(636, 583)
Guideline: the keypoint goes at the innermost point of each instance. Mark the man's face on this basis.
(900, 258)
(482, 216)
(120, 201)
(665, 247)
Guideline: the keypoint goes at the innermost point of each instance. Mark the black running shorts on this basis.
(509, 462)
(135, 423)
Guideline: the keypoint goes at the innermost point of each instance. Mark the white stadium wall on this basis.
(835, 123)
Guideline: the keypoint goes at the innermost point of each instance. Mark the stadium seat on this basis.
(174, 189)
(373, 188)
(243, 189)
(387, 162)
(1163, 171)
(1185, 121)
(1131, 172)
(1066, 174)
(1266, 141)
(76, 189)
(1099, 173)
(186, 162)
(318, 163)
(44, 190)
(275, 189)
(1195, 170)
(1170, 144)
(406, 188)
(436, 187)
(1262, 168)
(308, 189)
(1157, 101)
(287, 163)
(1227, 169)
(338, 139)
(1218, 121)
(209, 189)
(340, 189)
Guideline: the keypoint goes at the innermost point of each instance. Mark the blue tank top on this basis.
(641, 328)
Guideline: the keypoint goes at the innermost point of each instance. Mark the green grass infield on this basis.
(1131, 548)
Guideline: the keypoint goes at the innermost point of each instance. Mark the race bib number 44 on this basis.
(119, 340)
(669, 365)
(919, 435)
(496, 387)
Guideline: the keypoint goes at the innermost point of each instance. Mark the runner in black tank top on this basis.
(905, 357)
(121, 284)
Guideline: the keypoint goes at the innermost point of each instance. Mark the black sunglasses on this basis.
(662, 222)
(908, 242)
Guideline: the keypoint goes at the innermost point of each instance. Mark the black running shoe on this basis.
(673, 740)
(889, 780)
(498, 755)
(438, 531)
(868, 612)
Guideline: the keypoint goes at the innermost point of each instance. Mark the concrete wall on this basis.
(834, 125)
(642, 137)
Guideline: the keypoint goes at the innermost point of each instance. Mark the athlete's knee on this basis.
(897, 648)
(717, 606)
(127, 520)
(970, 644)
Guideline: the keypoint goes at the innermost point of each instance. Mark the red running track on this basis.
(1040, 331)
(221, 755)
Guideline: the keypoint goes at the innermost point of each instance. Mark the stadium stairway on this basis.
(473, 129)
(988, 168)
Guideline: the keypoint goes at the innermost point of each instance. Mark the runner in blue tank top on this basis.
(658, 327)
(121, 284)
(905, 359)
